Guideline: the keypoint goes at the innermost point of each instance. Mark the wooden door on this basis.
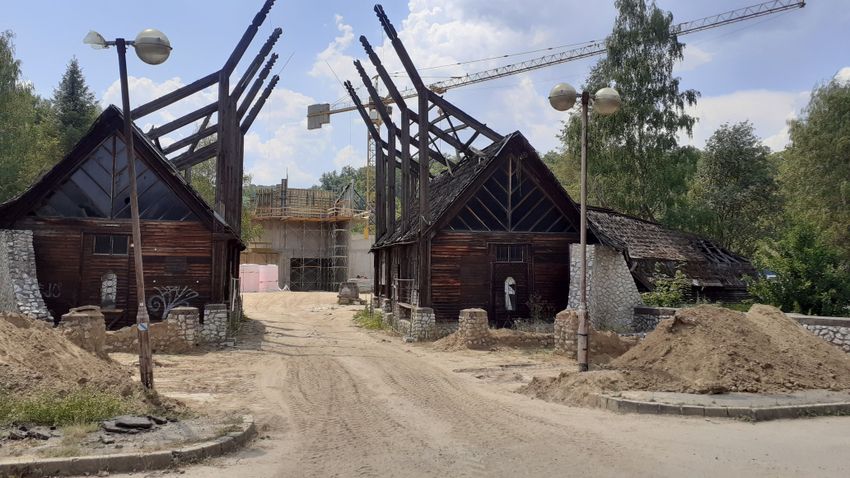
(106, 265)
(510, 272)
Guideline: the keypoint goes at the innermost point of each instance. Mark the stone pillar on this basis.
(85, 327)
(186, 321)
(214, 329)
(566, 333)
(473, 328)
(422, 323)
(19, 287)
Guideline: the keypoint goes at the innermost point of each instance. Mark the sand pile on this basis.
(497, 339)
(34, 357)
(709, 349)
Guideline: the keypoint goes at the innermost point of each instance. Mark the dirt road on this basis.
(335, 400)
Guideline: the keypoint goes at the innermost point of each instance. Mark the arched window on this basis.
(108, 290)
(510, 294)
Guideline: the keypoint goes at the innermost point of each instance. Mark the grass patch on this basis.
(64, 451)
(373, 320)
(51, 409)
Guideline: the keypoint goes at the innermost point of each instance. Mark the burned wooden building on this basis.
(80, 215)
(494, 229)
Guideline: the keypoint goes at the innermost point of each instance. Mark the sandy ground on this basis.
(335, 400)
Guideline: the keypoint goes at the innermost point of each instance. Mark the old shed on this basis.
(79, 213)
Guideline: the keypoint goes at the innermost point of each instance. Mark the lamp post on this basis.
(606, 101)
(152, 47)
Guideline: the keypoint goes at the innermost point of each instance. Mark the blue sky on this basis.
(761, 70)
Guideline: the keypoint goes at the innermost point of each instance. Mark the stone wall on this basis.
(422, 323)
(835, 330)
(605, 343)
(214, 329)
(473, 330)
(611, 290)
(85, 327)
(19, 290)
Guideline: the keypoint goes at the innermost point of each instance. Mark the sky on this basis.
(761, 70)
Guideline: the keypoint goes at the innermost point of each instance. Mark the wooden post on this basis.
(142, 319)
(424, 273)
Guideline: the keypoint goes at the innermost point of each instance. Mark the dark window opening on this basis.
(112, 245)
(510, 253)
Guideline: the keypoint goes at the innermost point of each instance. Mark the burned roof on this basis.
(444, 191)
(646, 243)
(110, 121)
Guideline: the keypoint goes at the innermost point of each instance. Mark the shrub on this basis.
(78, 407)
(669, 291)
(369, 319)
(810, 276)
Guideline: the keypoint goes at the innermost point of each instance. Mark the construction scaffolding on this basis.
(306, 232)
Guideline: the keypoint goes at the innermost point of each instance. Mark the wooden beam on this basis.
(189, 159)
(255, 65)
(249, 120)
(255, 88)
(203, 133)
(458, 113)
(174, 96)
(183, 121)
(246, 39)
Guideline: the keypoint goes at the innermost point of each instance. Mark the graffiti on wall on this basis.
(50, 290)
(169, 297)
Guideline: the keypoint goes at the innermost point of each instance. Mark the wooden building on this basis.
(501, 223)
(79, 213)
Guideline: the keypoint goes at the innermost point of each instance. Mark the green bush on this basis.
(669, 291)
(78, 407)
(811, 276)
(373, 320)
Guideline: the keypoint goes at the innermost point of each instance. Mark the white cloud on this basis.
(332, 62)
(769, 111)
(843, 75)
(694, 58)
(349, 156)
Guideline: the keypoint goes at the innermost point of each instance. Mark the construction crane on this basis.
(319, 114)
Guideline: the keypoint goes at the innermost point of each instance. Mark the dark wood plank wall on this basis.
(461, 269)
(176, 254)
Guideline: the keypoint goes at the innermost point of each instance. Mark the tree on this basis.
(74, 106)
(734, 196)
(633, 154)
(27, 141)
(815, 170)
(811, 277)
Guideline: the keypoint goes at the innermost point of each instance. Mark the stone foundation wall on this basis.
(606, 343)
(611, 289)
(214, 328)
(422, 323)
(443, 328)
(19, 289)
(645, 319)
(534, 326)
(85, 327)
(473, 329)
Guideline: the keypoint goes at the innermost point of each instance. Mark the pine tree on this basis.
(74, 105)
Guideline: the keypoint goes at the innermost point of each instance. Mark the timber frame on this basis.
(410, 147)
(235, 111)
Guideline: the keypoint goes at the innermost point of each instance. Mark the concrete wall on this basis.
(360, 262)
(19, 288)
(611, 291)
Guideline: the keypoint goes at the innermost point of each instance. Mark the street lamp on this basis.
(152, 47)
(606, 101)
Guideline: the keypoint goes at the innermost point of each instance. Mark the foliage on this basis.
(28, 142)
(633, 157)
(369, 319)
(336, 180)
(203, 180)
(539, 309)
(811, 277)
(74, 107)
(77, 407)
(734, 195)
(668, 291)
(815, 169)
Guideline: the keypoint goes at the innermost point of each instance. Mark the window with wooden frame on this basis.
(510, 253)
(111, 244)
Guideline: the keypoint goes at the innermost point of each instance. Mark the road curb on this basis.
(129, 462)
(756, 414)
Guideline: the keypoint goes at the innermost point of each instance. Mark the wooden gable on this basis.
(99, 187)
(515, 196)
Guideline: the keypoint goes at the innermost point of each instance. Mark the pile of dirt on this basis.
(497, 339)
(36, 358)
(710, 349)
